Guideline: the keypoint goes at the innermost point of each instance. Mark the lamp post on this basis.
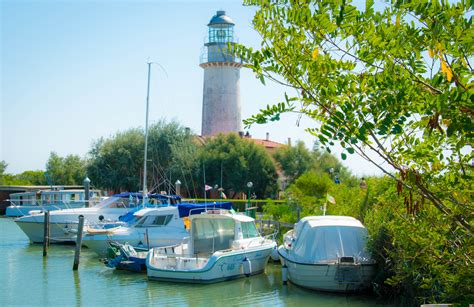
(247, 205)
(178, 187)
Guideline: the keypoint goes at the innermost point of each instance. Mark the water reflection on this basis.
(77, 287)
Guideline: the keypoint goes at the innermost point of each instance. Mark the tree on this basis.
(394, 80)
(69, 170)
(116, 163)
(293, 160)
(235, 161)
(32, 178)
(3, 167)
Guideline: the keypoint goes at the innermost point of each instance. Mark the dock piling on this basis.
(46, 234)
(77, 252)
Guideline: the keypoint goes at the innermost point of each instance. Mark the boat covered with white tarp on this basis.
(328, 253)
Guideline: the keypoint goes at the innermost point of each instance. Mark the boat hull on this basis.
(225, 266)
(62, 227)
(99, 243)
(16, 211)
(330, 277)
(58, 232)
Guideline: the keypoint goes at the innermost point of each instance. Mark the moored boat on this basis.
(327, 253)
(221, 246)
(147, 228)
(23, 203)
(63, 223)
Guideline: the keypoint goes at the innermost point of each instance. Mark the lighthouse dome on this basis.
(220, 19)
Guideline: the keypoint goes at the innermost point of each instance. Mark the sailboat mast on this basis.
(145, 192)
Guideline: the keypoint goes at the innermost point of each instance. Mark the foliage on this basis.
(25, 178)
(32, 178)
(293, 160)
(423, 258)
(117, 162)
(3, 167)
(395, 80)
(327, 162)
(70, 170)
(239, 161)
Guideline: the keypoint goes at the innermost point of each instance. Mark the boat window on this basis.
(162, 220)
(249, 230)
(141, 222)
(211, 235)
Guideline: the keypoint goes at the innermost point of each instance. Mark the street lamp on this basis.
(247, 205)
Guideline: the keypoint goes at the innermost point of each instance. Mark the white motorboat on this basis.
(49, 200)
(63, 223)
(149, 227)
(221, 246)
(327, 253)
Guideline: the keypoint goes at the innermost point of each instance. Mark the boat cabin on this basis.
(51, 197)
(215, 231)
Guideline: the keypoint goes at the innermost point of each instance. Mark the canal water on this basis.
(26, 278)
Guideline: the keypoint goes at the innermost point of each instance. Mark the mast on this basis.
(145, 192)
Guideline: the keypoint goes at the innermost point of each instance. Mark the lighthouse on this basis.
(221, 91)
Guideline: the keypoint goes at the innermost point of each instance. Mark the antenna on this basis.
(145, 192)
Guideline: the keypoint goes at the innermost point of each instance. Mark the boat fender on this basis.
(274, 254)
(284, 274)
(247, 266)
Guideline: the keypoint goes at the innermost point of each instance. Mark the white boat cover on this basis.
(324, 239)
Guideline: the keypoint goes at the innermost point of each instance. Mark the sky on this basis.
(75, 71)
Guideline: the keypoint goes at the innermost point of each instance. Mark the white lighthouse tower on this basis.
(221, 94)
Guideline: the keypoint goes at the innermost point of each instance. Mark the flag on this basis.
(207, 187)
(223, 196)
(331, 199)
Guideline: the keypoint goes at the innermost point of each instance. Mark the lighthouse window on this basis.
(220, 35)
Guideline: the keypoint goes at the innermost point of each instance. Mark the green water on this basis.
(26, 278)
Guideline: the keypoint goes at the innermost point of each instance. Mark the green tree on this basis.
(3, 168)
(394, 80)
(69, 170)
(116, 163)
(235, 161)
(32, 177)
(293, 160)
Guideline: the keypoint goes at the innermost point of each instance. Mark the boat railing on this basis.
(262, 239)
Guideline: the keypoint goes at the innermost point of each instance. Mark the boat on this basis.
(48, 200)
(148, 227)
(222, 246)
(126, 257)
(63, 223)
(327, 253)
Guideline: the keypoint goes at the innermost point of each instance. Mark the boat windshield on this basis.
(249, 230)
(210, 235)
(118, 202)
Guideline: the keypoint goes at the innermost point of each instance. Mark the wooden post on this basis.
(77, 253)
(46, 233)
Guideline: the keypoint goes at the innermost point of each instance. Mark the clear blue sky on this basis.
(74, 71)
